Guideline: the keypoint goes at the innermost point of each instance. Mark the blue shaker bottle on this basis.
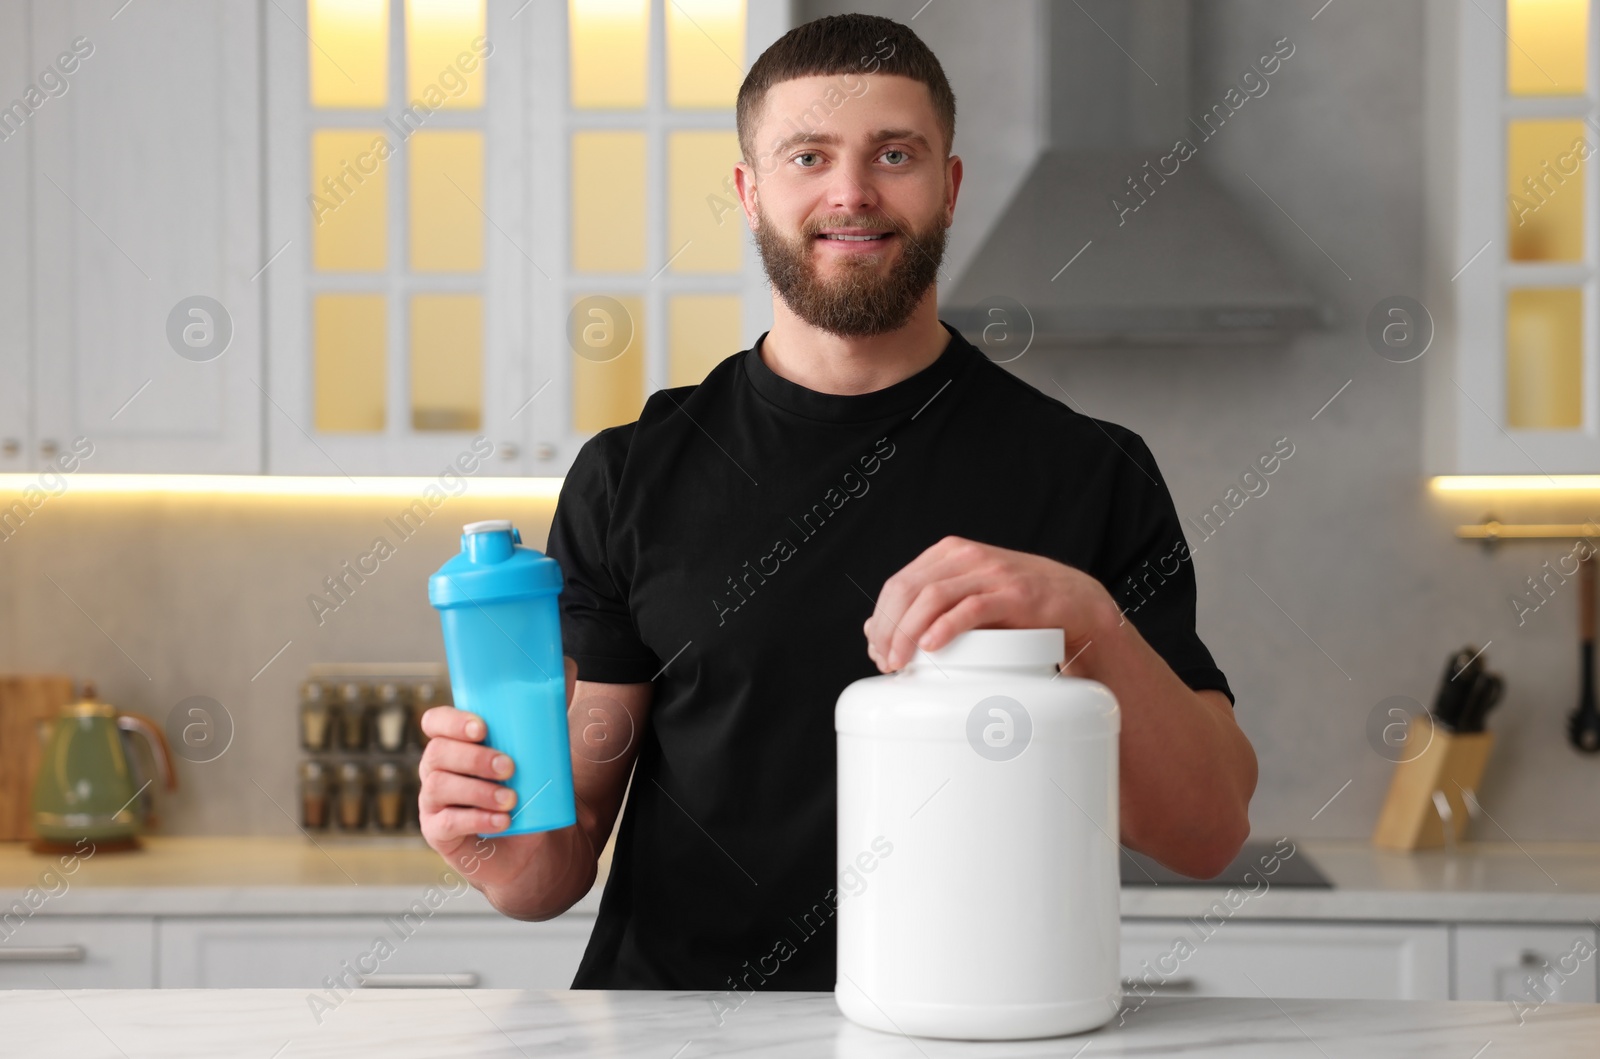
(502, 638)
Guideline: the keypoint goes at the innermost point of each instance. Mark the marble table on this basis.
(431, 1023)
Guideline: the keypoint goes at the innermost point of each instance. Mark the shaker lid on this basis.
(488, 525)
(493, 565)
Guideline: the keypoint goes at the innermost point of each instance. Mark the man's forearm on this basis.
(1187, 771)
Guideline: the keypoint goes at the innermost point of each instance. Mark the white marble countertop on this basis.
(395, 1024)
(262, 875)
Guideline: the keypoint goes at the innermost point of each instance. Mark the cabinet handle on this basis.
(1530, 958)
(458, 980)
(10, 446)
(43, 953)
(1177, 984)
(48, 448)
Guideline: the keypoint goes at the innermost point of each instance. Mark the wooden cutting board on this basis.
(25, 700)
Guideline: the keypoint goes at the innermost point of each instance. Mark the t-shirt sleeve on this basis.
(1149, 571)
(598, 630)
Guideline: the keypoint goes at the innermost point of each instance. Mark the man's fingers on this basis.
(444, 790)
(469, 759)
(946, 598)
(447, 824)
(451, 723)
(572, 675)
(888, 626)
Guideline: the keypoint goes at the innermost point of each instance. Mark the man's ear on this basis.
(955, 188)
(744, 184)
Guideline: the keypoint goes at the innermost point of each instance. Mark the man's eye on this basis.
(902, 154)
(807, 154)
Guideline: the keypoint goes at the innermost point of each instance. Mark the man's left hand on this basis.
(959, 584)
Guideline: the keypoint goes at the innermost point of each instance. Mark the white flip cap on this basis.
(488, 525)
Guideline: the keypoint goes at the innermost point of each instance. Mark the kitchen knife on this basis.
(1461, 669)
(1486, 692)
(1583, 724)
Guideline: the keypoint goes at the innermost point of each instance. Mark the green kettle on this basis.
(89, 784)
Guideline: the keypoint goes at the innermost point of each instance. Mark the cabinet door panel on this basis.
(432, 242)
(79, 952)
(146, 194)
(278, 952)
(16, 264)
(1357, 961)
(1530, 966)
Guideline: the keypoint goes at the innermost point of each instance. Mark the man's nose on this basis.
(850, 186)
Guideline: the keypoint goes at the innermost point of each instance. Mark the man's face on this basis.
(851, 208)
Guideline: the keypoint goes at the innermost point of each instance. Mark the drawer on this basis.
(77, 952)
(1291, 959)
(1530, 966)
(300, 952)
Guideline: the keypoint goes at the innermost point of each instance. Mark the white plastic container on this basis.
(979, 893)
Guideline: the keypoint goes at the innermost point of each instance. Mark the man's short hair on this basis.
(843, 44)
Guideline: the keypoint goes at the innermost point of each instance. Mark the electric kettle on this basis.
(89, 784)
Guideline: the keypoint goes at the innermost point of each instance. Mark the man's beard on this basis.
(863, 298)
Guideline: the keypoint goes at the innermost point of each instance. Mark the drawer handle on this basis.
(1176, 984)
(459, 980)
(42, 953)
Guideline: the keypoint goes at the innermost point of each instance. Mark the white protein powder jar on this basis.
(980, 892)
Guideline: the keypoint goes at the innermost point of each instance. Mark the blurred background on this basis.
(281, 278)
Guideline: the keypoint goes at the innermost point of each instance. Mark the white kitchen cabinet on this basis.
(16, 278)
(145, 196)
(488, 951)
(79, 952)
(1511, 374)
(1530, 966)
(1295, 959)
(391, 353)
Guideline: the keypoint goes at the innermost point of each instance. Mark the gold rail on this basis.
(1492, 531)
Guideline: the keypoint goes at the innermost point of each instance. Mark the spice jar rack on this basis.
(360, 728)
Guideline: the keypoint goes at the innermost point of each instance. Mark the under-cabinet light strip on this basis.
(52, 483)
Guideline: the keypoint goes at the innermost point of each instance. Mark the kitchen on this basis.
(216, 513)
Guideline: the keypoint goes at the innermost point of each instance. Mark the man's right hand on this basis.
(464, 792)
(538, 875)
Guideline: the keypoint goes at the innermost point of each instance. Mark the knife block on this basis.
(1448, 762)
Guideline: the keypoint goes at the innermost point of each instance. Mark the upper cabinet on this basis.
(466, 227)
(493, 218)
(397, 222)
(136, 136)
(1512, 239)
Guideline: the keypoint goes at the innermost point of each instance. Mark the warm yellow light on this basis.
(1547, 47)
(348, 45)
(276, 485)
(443, 63)
(608, 53)
(1515, 483)
(705, 52)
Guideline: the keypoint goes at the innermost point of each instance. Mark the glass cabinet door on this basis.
(1550, 134)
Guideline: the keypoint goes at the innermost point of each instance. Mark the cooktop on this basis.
(1297, 869)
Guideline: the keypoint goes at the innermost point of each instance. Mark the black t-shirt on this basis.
(729, 546)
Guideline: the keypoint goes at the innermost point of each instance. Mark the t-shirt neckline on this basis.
(908, 393)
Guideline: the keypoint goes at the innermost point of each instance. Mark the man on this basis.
(863, 469)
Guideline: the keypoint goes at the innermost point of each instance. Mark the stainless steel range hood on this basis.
(1091, 259)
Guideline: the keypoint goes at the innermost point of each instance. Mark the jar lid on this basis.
(998, 647)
